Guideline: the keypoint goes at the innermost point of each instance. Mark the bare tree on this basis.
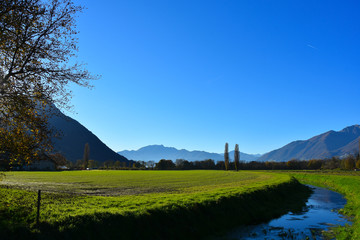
(237, 157)
(226, 156)
(37, 40)
(150, 164)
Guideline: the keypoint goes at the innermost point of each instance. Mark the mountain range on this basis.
(158, 152)
(73, 138)
(322, 146)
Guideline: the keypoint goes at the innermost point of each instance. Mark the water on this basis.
(319, 214)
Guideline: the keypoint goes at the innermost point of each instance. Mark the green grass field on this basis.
(131, 191)
(69, 197)
(75, 202)
(78, 201)
(123, 183)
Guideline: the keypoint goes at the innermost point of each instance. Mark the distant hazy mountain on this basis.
(75, 136)
(157, 152)
(325, 145)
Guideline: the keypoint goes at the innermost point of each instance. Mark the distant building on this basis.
(62, 168)
(42, 165)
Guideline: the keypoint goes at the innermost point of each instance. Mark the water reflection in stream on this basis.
(319, 214)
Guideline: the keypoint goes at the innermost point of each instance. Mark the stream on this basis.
(319, 214)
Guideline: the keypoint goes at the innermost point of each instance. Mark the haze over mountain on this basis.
(75, 136)
(158, 152)
(325, 145)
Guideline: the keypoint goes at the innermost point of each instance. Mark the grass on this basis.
(346, 183)
(129, 191)
(121, 183)
(74, 203)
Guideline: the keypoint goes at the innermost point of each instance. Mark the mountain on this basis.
(158, 152)
(325, 145)
(243, 156)
(74, 136)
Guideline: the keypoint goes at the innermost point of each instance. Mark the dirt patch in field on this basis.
(78, 188)
(123, 191)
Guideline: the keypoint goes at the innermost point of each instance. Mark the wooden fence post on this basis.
(38, 208)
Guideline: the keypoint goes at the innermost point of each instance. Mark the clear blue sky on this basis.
(197, 74)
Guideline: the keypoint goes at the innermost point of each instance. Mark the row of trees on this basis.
(109, 164)
(350, 162)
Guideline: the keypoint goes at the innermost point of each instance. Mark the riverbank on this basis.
(309, 223)
(346, 183)
(186, 214)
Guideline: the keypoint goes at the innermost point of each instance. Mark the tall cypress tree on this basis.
(357, 164)
(237, 157)
(226, 156)
(86, 155)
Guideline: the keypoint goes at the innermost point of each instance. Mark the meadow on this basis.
(161, 204)
(141, 204)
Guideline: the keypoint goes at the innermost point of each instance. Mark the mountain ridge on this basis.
(73, 138)
(157, 152)
(326, 145)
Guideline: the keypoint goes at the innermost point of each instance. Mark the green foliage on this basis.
(164, 164)
(349, 162)
(357, 164)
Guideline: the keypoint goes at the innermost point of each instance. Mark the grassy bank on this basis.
(346, 183)
(142, 204)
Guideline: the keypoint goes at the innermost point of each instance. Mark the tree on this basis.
(150, 164)
(179, 163)
(117, 164)
(314, 164)
(237, 157)
(58, 159)
(226, 156)
(79, 164)
(357, 164)
(207, 164)
(108, 164)
(92, 164)
(86, 156)
(349, 162)
(164, 164)
(37, 41)
(295, 164)
(332, 163)
(24, 134)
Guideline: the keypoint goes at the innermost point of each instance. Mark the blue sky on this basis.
(197, 74)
